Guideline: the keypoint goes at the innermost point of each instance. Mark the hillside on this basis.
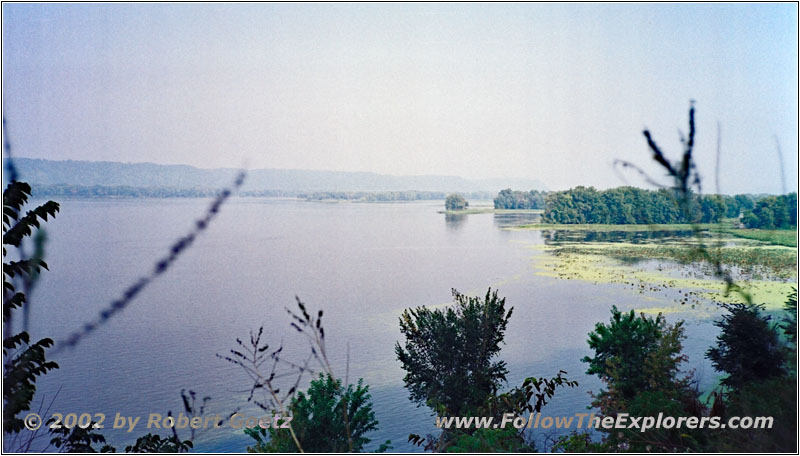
(86, 173)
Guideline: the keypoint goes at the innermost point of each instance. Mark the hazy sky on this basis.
(548, 91)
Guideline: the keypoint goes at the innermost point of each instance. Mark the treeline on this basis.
(773, 212)
(127, 191)
(631, 205)
(409, 195)
(121, 191)
(515, 199)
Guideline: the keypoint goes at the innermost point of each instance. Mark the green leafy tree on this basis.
(638, 358)
(455, 202)
(515, 199)
(23, 360)
(712, 208)
(773, 212)
(762, 379)
(630, 205)
(622, 349)
(748, 347)
(449, 354)
(318, 420)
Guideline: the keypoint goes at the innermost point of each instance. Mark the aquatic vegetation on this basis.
(784, 237)
(669, 278)
(749, 262)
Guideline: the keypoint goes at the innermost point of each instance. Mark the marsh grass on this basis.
(786, 238)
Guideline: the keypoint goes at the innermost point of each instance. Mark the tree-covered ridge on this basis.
(39, 172)
(631, 205)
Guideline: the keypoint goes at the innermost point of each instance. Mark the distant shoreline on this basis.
(490, 210)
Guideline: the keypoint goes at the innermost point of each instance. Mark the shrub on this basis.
(318, 420)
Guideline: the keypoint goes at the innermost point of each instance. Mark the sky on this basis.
(555, 92)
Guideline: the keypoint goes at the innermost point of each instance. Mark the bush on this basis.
(318, 420)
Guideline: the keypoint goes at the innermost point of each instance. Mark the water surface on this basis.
(363, 263)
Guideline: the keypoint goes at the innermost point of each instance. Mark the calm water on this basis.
(361, 263)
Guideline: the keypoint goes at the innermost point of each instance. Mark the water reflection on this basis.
(557, 237)
(516, 219)
(455, 221)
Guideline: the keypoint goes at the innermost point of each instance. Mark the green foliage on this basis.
(318, 420)
(449, 353)
(630, 205)
(712, 208)
(153, 443)
(481, 440)
(671, 401)
(23, 361)
(741, 203)
(516, 402)
(508, 199)
(625, 347)
(775, 397)
(760, 383)
(79, 440)
(748, 348)
(529, 398)
(16, 228)
(520, 399)
(773, 212)
(19, 376)
(455, 202)
(638, 358)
